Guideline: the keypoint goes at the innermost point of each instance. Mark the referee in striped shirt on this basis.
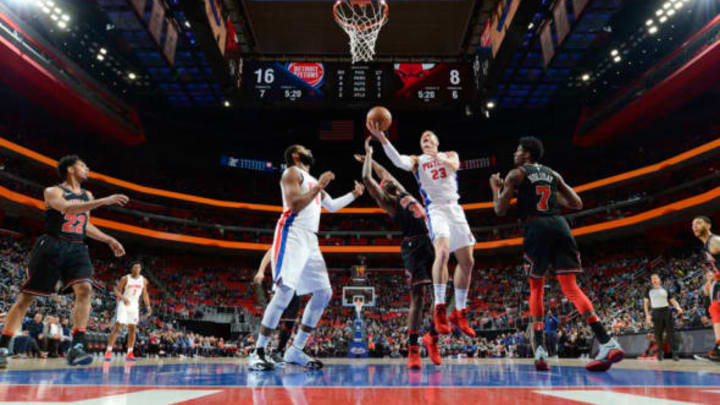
(657, 312)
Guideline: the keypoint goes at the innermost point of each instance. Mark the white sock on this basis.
(301, 338)
(262, 341)
(439, 290)
(460, 299)
(130, 350)
(108, 349)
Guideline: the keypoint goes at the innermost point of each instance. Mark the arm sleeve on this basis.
(401, 161)
(335, 204)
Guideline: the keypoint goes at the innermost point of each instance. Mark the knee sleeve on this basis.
(570, 289)
(715, 312)
(537, 294)
(315, 307)
(277, 305)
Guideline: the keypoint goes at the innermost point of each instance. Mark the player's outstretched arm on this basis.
(54, 199)
(291, 184)
(94, 233)
(374, 189)
(336, 204)
(404, 162)
(504, 190)
(380, 171)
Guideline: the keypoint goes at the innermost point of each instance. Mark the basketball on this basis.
(381, 115)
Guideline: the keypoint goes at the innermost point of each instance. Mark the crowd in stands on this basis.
(184, 288)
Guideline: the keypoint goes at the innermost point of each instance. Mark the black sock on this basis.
(285, 334)
(260, 351)
(414, 338)
(5, 341)
(79, 337)
(432, 331)
(600, 332)
(539, 338)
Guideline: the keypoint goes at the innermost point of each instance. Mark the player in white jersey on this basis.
(128, 291)
(297, 264)
(436, 174)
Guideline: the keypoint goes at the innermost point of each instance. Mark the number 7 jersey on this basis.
(537, 194)
(438, 183)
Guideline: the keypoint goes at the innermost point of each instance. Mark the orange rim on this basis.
(355, 27)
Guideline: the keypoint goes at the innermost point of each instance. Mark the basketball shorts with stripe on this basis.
(449, 221)
(297, 262)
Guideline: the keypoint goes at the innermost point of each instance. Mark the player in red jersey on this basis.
(701, 227)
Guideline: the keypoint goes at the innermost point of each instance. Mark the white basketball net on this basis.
(362, 21)
(359, 301)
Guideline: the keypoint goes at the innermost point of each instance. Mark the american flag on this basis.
(339, 130)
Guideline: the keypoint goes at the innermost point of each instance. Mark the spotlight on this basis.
(531, 26)
(100, 57)
(131, 76)
(678, 5)
(54, 17)
(649, 22)
(663, 19)
(103, 51)
(66, 17)
(659, 12)
(670, 12)
(490, 105)
(62, 24)
(667, 5)
(226, 103)
(614, 52)
(187, 24)
(585, 77)
(653, 29)
(617, 59)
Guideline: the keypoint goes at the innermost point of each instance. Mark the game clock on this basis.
(338, 84)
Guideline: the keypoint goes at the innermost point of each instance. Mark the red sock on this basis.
(569, 287)
(715, 312)
(537, 293)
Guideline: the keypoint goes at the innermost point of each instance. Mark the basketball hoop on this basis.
(362, 21)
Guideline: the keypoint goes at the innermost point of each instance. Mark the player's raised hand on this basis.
(119, 199)
(117, 248)
(359, 189)
(358, 157)
(326, 178)
(374, 128)
(496, 182)
(368, 148)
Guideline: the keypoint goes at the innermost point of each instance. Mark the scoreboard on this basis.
(338, 84)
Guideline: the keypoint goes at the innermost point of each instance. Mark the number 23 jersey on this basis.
(438, 183)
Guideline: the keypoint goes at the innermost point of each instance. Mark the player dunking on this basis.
(436, 174)
(61, 254)
(417, 250)
(541, 192)
(298, 265)
(701, 227)
(289, 316)
(127, 292)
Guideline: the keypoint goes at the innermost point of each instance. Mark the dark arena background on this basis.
(187, 107)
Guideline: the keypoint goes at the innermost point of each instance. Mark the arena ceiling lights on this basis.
(667, 10)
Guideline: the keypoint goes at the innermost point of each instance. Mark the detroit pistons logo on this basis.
(311, 73)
